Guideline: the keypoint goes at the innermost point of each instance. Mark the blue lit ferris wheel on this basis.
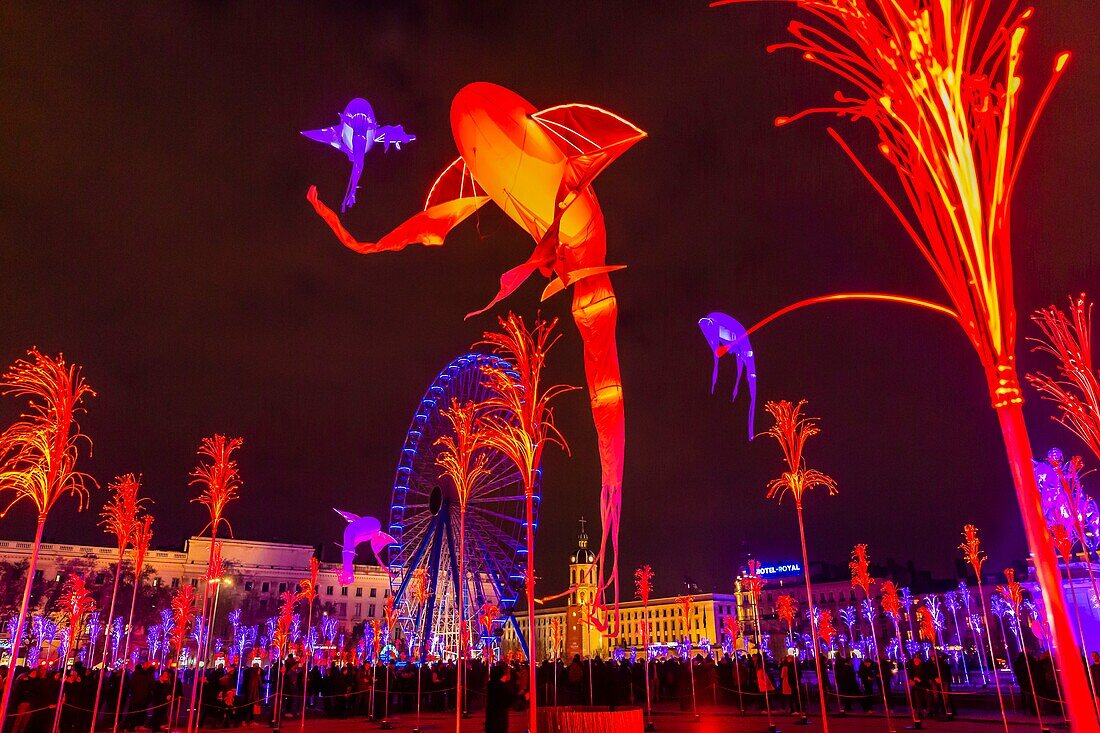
(424, 519)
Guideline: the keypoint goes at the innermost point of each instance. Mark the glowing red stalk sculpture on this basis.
(519, 422)
(791, 431)
(1076, 389)
(643, 587)
(76, 603)
(38, 454)
(891, 606)
(972, 552)
(1013, 592)
(939, 82)
(785, 609)
(463, 460)
(307, 591)
(142, 536)
(754, 584)
(687, 603)
(183, 609)
(120, 518)
(860, 567)
(220, 480)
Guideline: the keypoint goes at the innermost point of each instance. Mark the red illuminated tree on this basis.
(120, 518)
(519, 422)
(219, 478)
(76, 603)
(38, 454)
(463, 459)
(791, 430)
(142, 536)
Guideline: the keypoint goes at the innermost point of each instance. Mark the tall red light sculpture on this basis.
(463, 459)
(939, 81)
(791, 430)
(76, 603)
(38, 454)
(643, 587)
(219, 478)
(183, 610)
(143, 535)
(307, 591)
(538, 166)
(120, 518)
(860, 567)
(891, 606)
(972, 552)
(519, 422)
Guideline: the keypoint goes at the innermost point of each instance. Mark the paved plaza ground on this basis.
(673, 721)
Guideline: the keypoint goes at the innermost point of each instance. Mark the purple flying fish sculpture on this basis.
(726, 336)
(358, 531)
(357, 132)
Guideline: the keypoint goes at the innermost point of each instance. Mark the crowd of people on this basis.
(230, 696)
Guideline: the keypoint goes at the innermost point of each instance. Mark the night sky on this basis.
(153, 227)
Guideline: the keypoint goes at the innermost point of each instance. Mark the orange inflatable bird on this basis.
(538, 167)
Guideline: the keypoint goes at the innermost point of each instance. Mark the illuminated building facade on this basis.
(258, 573)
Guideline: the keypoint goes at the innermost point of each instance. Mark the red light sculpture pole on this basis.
(519, 422)
(143, 535)
(119, 517)
(791, 430)
(38, 455)
(861, 578)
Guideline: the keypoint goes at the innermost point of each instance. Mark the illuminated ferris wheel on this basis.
(424, 519)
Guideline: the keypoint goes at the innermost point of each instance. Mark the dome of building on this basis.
(582, 555)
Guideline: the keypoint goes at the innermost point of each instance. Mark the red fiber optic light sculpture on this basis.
(940, 83)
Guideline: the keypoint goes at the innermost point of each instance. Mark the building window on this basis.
(175, 582)
(358, 592)
(248, 585)
(156, 582)
(373, 592)
(194, 582)
(344, 591)
(282, 587)
(370, 610)
(328, 591)
(263, 604)
(264, 588)
(358, 610)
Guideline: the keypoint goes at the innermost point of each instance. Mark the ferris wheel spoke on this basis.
(497, 515)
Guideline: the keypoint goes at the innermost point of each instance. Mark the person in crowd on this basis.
(500, 696)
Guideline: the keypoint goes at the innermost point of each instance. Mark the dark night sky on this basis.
(154, 228)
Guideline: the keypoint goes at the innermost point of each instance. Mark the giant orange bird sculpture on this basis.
(538, 167)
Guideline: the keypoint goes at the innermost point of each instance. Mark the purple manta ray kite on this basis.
(727, 336)
(357, 132)
(358, 531)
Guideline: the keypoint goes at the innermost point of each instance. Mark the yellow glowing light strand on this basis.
(791, 430)
(38, 452)
(1076, 388)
